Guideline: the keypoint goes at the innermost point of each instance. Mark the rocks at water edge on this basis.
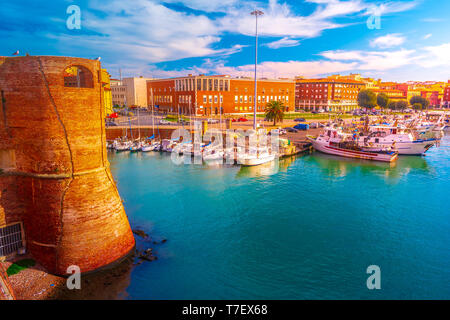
(140, 233)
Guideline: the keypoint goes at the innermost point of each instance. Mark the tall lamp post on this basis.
(256, 13)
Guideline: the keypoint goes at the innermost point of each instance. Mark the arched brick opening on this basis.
(78, 77)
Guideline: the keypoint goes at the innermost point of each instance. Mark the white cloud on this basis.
(390, 7)
(374, 60)
(428, 36)
(388, 41)
(283, 42)
(207, 5)
(427, 63)
(288, 69)
(436, 56)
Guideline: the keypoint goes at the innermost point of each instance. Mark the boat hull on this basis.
(416, 148)
(255, 161)
(325, 148)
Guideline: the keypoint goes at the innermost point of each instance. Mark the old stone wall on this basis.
(61, 186)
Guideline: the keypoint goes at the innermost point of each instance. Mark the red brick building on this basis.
(446, 97)
(329, 94)
(213, 95)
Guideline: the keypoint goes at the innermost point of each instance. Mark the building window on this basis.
(240, 99)
(78, 77)
(215, 99)
(216, 85)
(221, 85)
(199, 84)
(226, 85)
(10, 239)
(236, 99)
(205, 86)
(210, 85)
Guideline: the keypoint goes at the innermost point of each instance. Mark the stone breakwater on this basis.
(55, 176)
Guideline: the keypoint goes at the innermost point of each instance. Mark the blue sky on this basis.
(309, 38)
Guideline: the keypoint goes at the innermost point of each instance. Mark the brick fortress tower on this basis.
(56, 187)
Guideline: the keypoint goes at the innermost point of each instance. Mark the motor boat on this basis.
(334, 141)
(405, 141)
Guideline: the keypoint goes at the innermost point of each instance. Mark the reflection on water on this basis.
(107, 284)
(266, 169)
(335, 166)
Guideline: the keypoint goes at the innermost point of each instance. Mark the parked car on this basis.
(280, 131)
(321, 110)
(300, 120)
(111, 124)
(302, 126)
(213, 121)
(163, 121)
(314, 125)
(242, 120)
(314, 112)
(291, 130)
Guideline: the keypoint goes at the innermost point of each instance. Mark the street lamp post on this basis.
(256, 13)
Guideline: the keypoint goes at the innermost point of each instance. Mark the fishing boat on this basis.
(405, 141)
(335, 142)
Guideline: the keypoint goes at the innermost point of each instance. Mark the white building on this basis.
(130, 91)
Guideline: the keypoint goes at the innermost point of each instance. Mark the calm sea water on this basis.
(308, 230)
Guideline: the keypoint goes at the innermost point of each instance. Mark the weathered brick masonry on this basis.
(58, 181)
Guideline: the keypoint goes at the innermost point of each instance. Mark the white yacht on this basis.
(405, 141)
(255, 157)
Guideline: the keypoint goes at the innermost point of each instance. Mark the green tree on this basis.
(392, 105)
(383, 100)
(274, 111)
(367, 99)
(419, 100)
(417, 106)
(401, 105)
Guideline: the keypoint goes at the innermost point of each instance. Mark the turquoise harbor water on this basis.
(308, 231)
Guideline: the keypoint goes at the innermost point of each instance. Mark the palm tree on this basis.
(274, 111)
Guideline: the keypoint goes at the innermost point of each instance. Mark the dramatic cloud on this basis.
(388, 41)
